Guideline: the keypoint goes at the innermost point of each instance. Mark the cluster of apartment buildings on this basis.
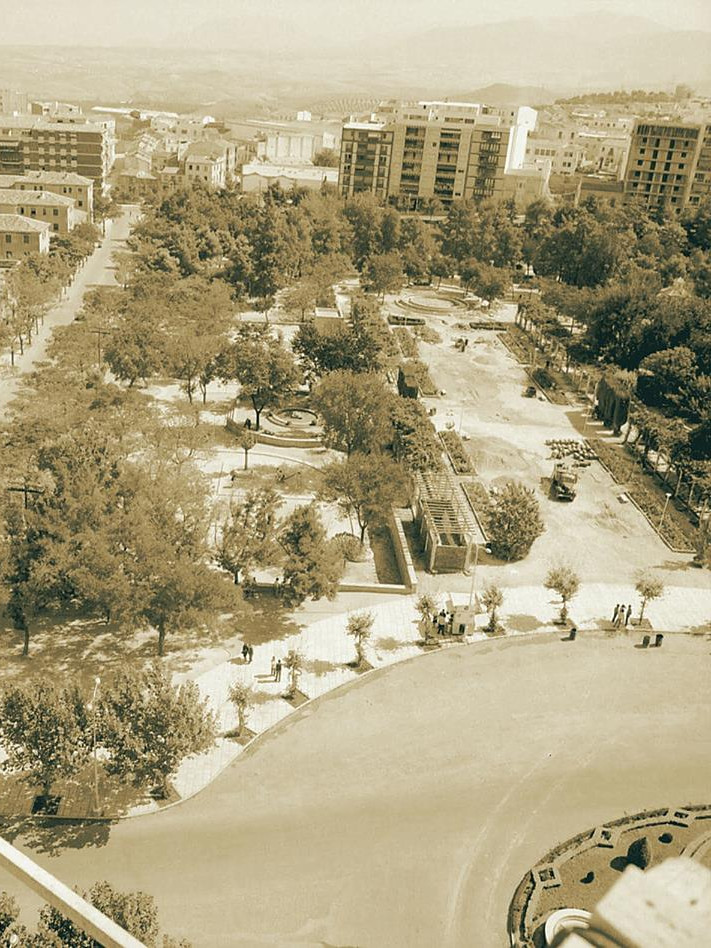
(413, 154)
(52, 161)
(175, 151)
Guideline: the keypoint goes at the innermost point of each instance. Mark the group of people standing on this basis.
(443, 622)
(621, 616)
(248, 655)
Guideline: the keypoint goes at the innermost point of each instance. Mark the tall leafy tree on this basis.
(249, 535)
(149, 726)
(264, 367)
(354, 410)
(366, 486)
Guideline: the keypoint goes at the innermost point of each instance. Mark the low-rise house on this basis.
(22, 236)
(55, 209)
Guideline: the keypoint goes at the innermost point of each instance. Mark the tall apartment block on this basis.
(410, 154)
(669, 165)
(31, 143)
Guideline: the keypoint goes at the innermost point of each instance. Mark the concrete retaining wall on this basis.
(402, 552)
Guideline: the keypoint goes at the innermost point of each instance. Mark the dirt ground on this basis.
(600, 533)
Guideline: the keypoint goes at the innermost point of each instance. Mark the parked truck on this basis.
(565, 482)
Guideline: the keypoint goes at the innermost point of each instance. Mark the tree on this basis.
(326, 158)
(314, 565)
(487, 281)
(264, 367)
(149, 726)
(44, 731)
(493, 599)
(242, 697)
(246, 439)
(564, 581)
(9, 910)
(134, 349)
(649, 587)
(294, 661)
(354, 410)
(248, 537)
(383, 273)
(360, 626)
(135, 912)
(514, 522)
(366, 486)
(162, 531)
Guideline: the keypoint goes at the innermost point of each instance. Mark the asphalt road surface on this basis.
(405, 809)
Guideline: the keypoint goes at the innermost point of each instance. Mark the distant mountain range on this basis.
(570, 52)
(237, 67)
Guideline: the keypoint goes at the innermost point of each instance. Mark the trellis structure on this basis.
(446, 523)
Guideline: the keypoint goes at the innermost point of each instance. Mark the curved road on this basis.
(405, 809)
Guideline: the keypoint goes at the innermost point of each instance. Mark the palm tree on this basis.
(426, 606)
(493, 599)
(360, 626)
(566, 582)
(294, 661)
(242, 697)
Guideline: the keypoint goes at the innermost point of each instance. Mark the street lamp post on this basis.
(666, 504)
(93, 709)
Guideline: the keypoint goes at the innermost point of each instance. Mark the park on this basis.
(364, 796)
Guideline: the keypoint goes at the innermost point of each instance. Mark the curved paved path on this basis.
(404, 809)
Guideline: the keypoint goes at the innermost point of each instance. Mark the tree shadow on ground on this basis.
(520, 622)
(675, 565)
(389, 644)
(317, 666)
(51, 837)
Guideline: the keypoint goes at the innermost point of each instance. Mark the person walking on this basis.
(620, 616)
(250, 654)
(245, 651)
(273, 669)
(277, 671)
(615, 613)
(441, 622)
(628, 615)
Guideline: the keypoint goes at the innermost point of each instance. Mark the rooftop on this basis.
(212, 150)
(55, 177)
(29, 122)
(12, 196)
(295, 172)
(14, 223)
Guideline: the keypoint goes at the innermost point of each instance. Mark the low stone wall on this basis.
(402, 552)
(278, 441)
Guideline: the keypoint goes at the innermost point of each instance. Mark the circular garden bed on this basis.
(576, 874)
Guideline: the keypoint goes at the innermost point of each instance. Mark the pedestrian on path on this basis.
(277, 671)
(273, 668)
(628, 615)
(620, 616)
(441, 622)
(245, 651)
(615, 613)
(250, 653)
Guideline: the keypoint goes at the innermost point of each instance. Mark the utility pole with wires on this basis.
(25, 489)
(99, 333)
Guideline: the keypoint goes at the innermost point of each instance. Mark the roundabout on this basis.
(405, 808)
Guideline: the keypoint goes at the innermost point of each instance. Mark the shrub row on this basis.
(461, 462)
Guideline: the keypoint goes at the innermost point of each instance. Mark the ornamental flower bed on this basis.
(676, 529)
(461, 462)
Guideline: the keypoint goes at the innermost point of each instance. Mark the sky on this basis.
(168, 22)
